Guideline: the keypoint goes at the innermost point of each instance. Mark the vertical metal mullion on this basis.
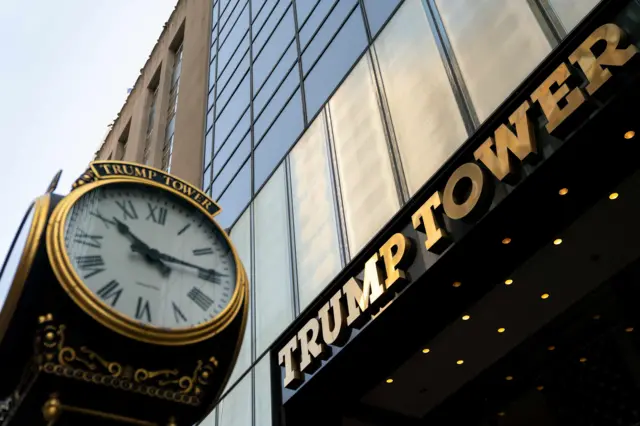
(343, 237)
(299, 59)
(295, 294)
(460, 90)
(549, 22)
(215, 95)
(251, 109)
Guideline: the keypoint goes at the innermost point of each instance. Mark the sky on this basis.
(65, 69)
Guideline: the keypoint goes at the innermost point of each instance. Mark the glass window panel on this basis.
(326, 32)
(314, 20)
(208, 146)
(273, 282)
(235, 197)
(224, 172)
(497, 43)
(236, 409)
(336, 61)
(241, 236)
(316, 229)
(237, 20)
(239, 61)
(265, 117)
(234, 76)
(262, 14)
(228, 115)
(211, 98)
(270, 18)
(277, 75)
(364, 167)
(571, 12)
(378, 12)
(209, 117)
(278, 139)
(206, 178)
(235, 50)
(281, 39)
(210, 420)
(303, 9)
(428, 127)
(256, 7)
(263, 392)
(224, 148)
(212, 73)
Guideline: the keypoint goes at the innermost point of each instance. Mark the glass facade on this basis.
(325, 117)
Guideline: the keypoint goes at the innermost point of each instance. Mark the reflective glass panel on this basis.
(378, 12)
(497, 43)
(428, 127)
(235, 198)
(314, 213)
(272, 287)
(224, 172)
(366, 178)
(236, 409)
(273, 80)
(263, 392)
(280, 98)
(335, 62)
(571, 12)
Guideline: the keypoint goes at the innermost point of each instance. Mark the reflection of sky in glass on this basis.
(571, 12)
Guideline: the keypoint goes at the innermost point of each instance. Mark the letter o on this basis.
(474, 195)
(177, 185)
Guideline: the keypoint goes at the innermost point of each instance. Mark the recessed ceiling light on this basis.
(551, 348)
(457, 284)
(509, 281)
(389, 380)
(465, 317)
(563, 191)
(613, 195)
(557, 241)
(583, 359)
(628, 329)
(502, 330)
(540, 387)
(544, 296)
(630, 134)
(426, 350)
(506, 240)
(509, 378)
(460, 362)
(501, 413)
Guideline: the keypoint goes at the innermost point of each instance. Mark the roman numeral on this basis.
(128, 210)
(209, 275)
(143, 309)
(180, 232)
(161, 216)
(91, 264)
(104, 220)
(87, 239)
(200, 299)
(203, 251)
(177, 313)
(110, 291)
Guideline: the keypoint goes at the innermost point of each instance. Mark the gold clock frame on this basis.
(40, 211)
(107, 315)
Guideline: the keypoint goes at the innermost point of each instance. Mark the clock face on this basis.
(150, 255)
(14, 256)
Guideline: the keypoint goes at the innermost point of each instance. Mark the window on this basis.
(278, 139)
(314, 213)
(235, 198)
(267, 20)
(241, 236)
(238, 20)
(275, 105)
(208, 146)
(222, 153)
(229, 114)
(308, 27)
(272, 283)
(121, 148)
(335, 62)
(304, 8)
(364, 168)
(236, 409)
(167, 149)
(267, 58)
(152, 110)
(263, 392)
(378, 12)
(496, 42)
(224, 172)
(571, 12)
(274, 79)
(428, 127)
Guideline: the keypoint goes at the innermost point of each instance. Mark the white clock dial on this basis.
(12, 261)
(150, 255)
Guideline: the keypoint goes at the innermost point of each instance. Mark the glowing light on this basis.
(460, 362)
(544, 296)
(508, 282)
(502, 330)
(465, 317)
(426, 350)
(613, 195)
(557, 241)
(457, 284)
(506, 240)
(563, 191)
(629, 135)
(389, 380)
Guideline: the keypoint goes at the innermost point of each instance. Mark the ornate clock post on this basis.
(124, 303)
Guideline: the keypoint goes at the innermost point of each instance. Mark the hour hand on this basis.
(207, 274)
(124, 230)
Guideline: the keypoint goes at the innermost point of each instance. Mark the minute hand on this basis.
(172, 259)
